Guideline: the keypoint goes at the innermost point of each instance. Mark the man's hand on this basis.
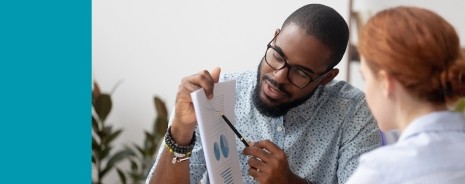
(184, 120)
(268, 164)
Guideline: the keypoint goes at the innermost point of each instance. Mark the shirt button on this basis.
(279, 129)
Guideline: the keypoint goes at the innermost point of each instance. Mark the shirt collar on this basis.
(306, 109)
(435, 122)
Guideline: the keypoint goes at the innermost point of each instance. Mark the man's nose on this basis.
(280, 75)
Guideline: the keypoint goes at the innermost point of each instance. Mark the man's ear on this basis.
(329, 76)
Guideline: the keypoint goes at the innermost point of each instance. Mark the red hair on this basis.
(418, 48)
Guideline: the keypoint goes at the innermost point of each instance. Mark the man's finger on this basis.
(216, 74)
(268, 146)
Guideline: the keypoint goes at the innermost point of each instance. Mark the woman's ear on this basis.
(387, 83)
(329, 76)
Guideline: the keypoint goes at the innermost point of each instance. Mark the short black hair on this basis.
(326, 24)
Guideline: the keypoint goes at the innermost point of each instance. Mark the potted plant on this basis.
(103, 135)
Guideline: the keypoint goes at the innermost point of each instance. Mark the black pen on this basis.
(234, 129)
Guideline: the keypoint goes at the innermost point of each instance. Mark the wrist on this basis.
(182, 135)
(180, 152)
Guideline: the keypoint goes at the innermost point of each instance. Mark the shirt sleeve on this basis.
(198, 166)
(365, 175)
(359, 135)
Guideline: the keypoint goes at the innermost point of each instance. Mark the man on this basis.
(307, 128)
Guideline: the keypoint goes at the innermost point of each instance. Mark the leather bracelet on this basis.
(180, 152)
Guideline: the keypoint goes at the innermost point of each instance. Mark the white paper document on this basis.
(218, 140)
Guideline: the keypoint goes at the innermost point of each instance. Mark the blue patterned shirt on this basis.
(323, 137)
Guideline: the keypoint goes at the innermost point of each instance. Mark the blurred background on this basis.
(145, 47)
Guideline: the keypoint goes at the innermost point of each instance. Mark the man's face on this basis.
(274, 95)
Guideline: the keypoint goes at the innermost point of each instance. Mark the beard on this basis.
(273, 110)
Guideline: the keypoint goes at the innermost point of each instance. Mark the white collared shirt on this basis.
(430, 150)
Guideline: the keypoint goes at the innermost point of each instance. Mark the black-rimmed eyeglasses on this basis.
(296, 75)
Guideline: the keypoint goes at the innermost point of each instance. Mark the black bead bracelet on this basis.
(177, 149)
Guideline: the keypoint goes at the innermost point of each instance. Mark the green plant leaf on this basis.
(111, 137)
(103, 106)
(105, 152)
(95, 92)
(135, 177)
(106, 131)
(130, 151)
(117, 157)
(134, 165)
(138, 177)
(93, 159)
(149, 144)
(148, 162)
(103, 172)
(116, 86)
(161, 121)
(95, 145)
(138, 148)
(161, 126)
(95, 125)
(160, 107)
(121, 175)
(149, 137)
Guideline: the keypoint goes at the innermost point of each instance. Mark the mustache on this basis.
(276, 85)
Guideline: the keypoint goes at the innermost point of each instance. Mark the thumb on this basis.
(216, 74)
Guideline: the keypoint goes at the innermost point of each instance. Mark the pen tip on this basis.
(220, 112)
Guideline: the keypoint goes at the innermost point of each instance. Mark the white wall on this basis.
(452, 10)
(150, 45)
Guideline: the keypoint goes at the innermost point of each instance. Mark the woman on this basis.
(413, 71)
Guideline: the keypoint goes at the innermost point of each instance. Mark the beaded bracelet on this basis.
(180, 152)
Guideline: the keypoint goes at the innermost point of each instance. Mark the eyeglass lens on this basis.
(296, 76)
